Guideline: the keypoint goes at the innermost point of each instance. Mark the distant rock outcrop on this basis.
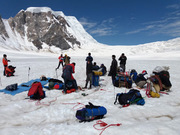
(41, 28)
(3, 32)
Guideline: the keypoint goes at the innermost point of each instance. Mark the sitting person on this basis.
(95, 67)
(103, 69)
(9, 71)
(140, 79)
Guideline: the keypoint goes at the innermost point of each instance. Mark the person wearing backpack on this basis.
(113, 69)
(68, 70)
(140, 79)
(122, 60)
(61, 59)
(5, 63)
(66, 59)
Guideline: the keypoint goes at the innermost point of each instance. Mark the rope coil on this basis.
(104, 125)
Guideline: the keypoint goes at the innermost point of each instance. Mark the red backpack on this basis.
(36, 91)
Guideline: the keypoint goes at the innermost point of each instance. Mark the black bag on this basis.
(133, 96)
(165, 78)
(12, 87)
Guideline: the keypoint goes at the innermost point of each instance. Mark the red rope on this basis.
(76, 104)
(148, 90)
(104, 125)
(45, 104)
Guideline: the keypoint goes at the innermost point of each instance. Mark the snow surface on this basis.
(20, 116)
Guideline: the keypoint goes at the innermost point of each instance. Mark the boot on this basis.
(89, 87)
(85, 85)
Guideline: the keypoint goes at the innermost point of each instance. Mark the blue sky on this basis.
(113, 22)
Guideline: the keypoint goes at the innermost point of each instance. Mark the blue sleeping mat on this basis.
(24, 87)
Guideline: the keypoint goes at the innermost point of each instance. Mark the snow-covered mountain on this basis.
(42, 28)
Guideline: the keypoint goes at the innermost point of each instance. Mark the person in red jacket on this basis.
(61, 59)
(5, 63)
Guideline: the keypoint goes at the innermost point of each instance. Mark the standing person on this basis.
(113, 69)
(89, 58)
(122, 60)
(5, 63)
(60, 61)
(66, 59)
(89, 67)
(68, 70)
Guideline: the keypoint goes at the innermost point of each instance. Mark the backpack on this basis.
(67, 71)
(12, 87)
(36, 91)
(123, 80)
(54, 82)
(165, 78)
(91, 112)
(133, 96)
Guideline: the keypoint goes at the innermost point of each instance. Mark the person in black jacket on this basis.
(89, 57)
(89, 68)
(113, 69)
(140, 79)
(122, 60)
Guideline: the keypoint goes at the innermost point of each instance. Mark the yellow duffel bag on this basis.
(97, 73)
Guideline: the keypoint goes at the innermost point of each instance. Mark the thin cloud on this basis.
(87, 25)
(172, 29)
(103, 28)
(169, 25)
(174, 6)
(101, 31)
(140, 30)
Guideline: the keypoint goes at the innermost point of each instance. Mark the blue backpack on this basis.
(133, 96)
(91, 112)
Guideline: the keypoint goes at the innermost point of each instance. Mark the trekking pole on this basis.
(0, 81)
(29, 72)
(56, 74)
(114, 94)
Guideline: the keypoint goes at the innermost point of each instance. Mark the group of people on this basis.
(69, 69)
(114, 66)
(63, 60)
(158, 82)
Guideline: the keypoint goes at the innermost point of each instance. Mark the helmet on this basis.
(144, 72)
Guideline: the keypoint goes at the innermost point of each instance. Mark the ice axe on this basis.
(56, 73)
(0, 81)
(29, 72)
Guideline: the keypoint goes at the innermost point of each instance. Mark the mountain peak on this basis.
(44, 9)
